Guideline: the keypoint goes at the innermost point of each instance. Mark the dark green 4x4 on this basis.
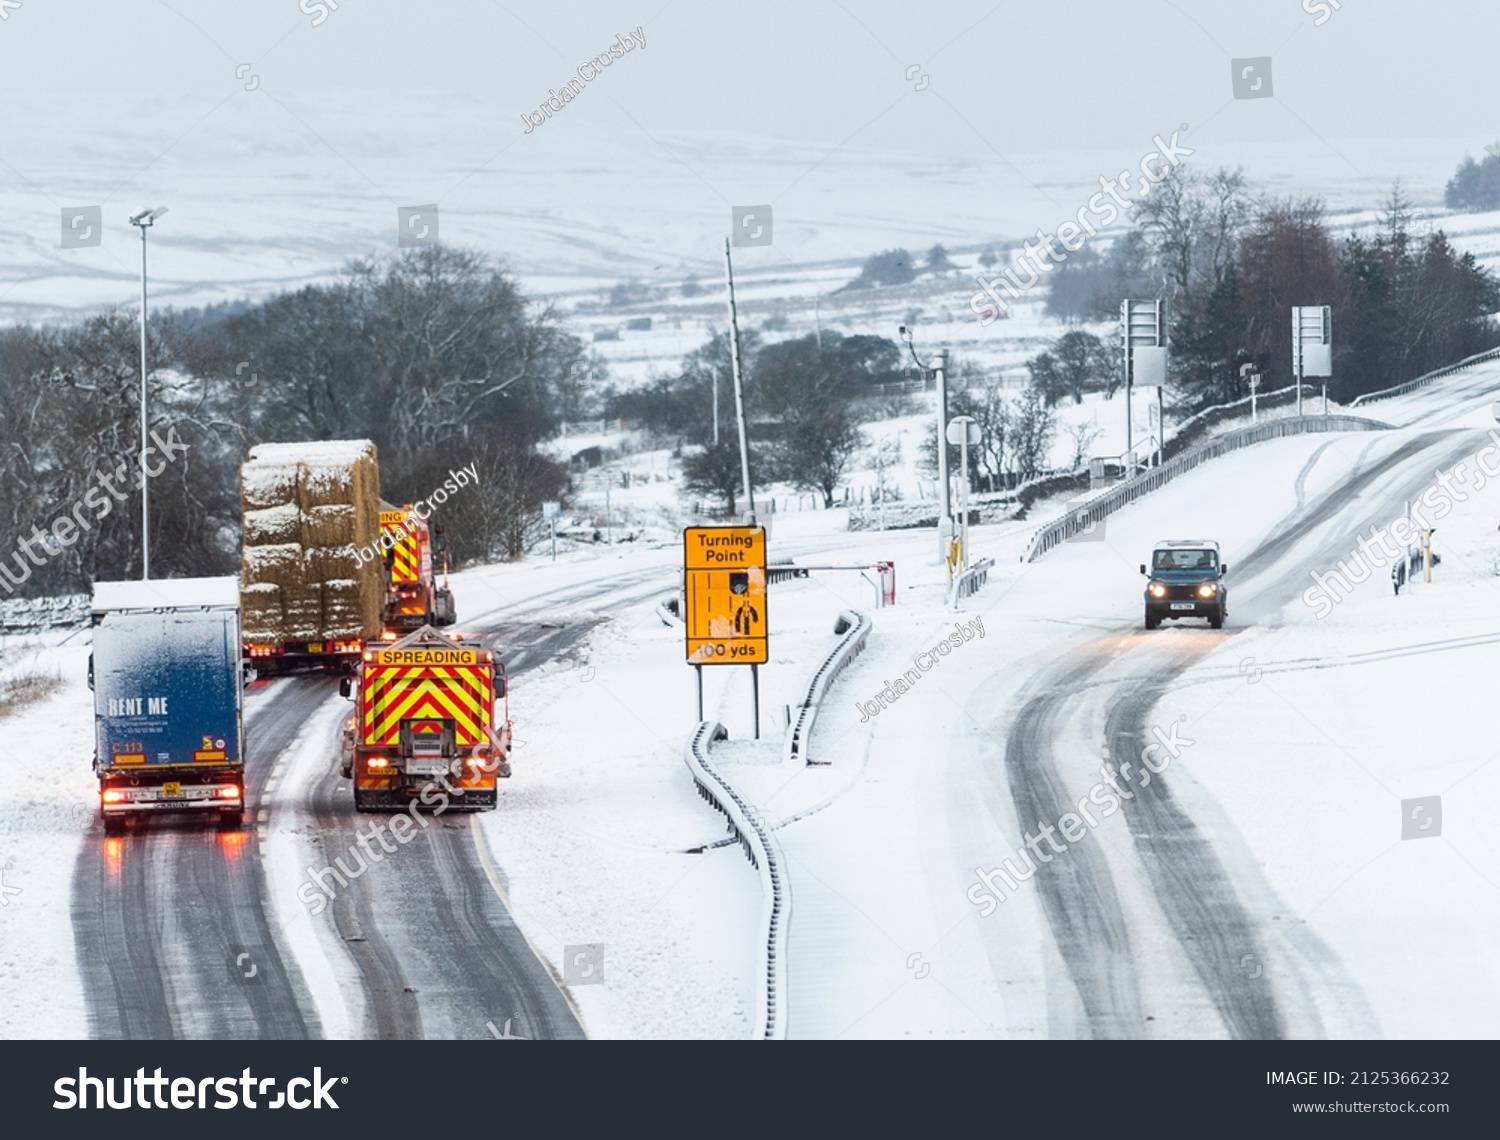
(1186, 579)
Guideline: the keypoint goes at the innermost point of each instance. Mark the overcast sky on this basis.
(1021, 74)
(405, 101)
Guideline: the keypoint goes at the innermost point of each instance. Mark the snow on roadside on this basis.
(884, 941)
(1314, 735)
(43, 823)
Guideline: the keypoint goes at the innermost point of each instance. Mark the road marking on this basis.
(262, 816)
(270, 785)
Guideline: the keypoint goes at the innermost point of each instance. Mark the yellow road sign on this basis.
(724, 569)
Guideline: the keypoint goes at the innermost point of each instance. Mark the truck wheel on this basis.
(231, 820)
(1216, 622)
(1152, 621)
(114, 825)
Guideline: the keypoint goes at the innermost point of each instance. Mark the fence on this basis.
(597, 427)
(765, 855)
(1425, 379)
(855, 628)
(34, 615)
(1084, 517)
(971, 581)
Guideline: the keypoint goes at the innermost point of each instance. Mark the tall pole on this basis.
(1297, 331)
(945, 499)
(963, 563)
(145, 493)
(739, 386)
(1161, 424)
(1129, 422)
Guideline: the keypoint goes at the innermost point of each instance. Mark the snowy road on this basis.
(1197, 896)
(177, 936)
(173, 935)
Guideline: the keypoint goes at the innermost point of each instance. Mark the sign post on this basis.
(1143, 335)
(552, 511)
(1312, 346)
(963, 431)
(1247, 372)
(724, 573)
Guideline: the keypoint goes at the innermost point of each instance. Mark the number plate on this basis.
(1183, 605)
(428, 768)
(171, 788)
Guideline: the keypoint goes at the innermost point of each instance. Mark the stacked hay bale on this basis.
(307, 508)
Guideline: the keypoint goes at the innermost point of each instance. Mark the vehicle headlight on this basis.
(1156, 590)
(1207, 590)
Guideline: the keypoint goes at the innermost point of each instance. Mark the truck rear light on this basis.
(228, 793)
(379, 762)
(114, 796)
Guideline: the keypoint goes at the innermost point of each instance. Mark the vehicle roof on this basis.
(167, 593)
(1196, 543)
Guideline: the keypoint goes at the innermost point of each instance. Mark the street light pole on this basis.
(739, 389)
(940, 374)
(145, 220)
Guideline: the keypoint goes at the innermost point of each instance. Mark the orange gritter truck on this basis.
(412, 596)
(425, 728)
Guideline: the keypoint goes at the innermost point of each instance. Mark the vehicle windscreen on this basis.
(1185, 560)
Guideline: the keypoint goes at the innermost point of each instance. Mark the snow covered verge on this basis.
(42, 825)
(594, 830)
(1349, 749)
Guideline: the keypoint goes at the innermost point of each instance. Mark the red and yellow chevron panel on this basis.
(405, 555)
(393, 693)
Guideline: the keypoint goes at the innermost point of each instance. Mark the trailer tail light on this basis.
(379, 762)
(229, 793)
(114, 796)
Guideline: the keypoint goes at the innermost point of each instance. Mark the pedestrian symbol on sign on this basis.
(746, 616)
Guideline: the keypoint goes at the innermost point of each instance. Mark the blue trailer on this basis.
(167, 684)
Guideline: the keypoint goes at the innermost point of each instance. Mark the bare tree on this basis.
(1083, 435)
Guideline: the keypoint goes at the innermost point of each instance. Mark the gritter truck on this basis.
(167, 682)
(425, 728)
(413, 597)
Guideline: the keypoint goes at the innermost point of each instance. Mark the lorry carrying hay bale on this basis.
(305, 596)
